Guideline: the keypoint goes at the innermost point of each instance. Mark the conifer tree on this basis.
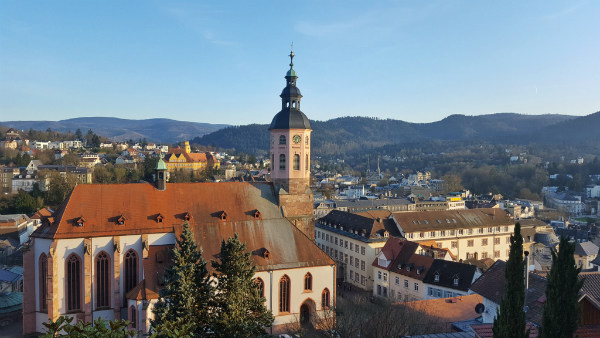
(510, 318)
(562, 312)
(182, 309)
(238, 306)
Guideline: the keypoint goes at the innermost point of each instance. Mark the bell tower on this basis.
(290, 156)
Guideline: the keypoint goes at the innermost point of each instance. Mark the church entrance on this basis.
(307, 312)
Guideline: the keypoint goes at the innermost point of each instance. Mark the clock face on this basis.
(297, 139)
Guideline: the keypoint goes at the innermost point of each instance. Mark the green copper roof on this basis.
(291, 72)
(160, 165)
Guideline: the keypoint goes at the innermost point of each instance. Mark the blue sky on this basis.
(224, 61)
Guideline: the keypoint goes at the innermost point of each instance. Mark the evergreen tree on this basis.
(562, 312)
(239, 308)
(182, 308)
(510, 318)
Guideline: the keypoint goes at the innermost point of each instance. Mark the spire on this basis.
(291, 72)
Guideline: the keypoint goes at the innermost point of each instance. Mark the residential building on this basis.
(353, 241)
(17, 226)
(593, 191)
(6, 176)
(103, 251)
(471, 233)
(584, 254)
(449, 279)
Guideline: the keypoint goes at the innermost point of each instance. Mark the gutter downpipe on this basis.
(271, 295)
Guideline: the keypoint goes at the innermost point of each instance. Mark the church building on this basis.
(104, 250)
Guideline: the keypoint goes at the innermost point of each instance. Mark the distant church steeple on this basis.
(161, 174)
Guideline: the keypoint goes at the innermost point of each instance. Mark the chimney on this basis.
(526, 270)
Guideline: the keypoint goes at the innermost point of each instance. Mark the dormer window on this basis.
(160, 218)
(266, 254)
(257, 214)
(187, 216)
(121, 220)
(408, 268)
(455, 280)
(80, 221)
(223, 216)
(436, 277)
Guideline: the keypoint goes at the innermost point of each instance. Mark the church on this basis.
(104, 250)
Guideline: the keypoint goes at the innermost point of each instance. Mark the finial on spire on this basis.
(292, 56)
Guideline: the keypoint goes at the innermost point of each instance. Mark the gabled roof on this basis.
(491, 286)
(451, 219)
(447, 271)
(591, 284)
(367, 225)
(140, 203)
(141, 292)
(586, 249)
(8, 276)
(403, 259)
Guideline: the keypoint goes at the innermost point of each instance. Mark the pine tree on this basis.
(183, 303)
(562, 312)
(510, 318)
(239, 308)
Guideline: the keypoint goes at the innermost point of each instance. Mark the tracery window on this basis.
(102, 280)
(284, 294)
(307, 282)
(325, 298)
(131, 270)
(43, 282)
(73, 283)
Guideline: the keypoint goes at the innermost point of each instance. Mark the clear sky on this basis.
(224, 61)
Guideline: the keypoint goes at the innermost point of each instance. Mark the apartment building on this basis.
(471, 233)
(353, 241)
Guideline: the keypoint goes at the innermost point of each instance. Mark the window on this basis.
(282, 139)
(507, 240)
(356, 262)
(470, 231)
(497, 254)
(296, 162)
(484, 241)
(351, 246)
(336, 241)
(430, 291)
(378, 290)
(439, 244)
(484, 255)
(102, 280)
(307, 165)
(406, 283)
(432, 234)
(436, 277)
(260, 285)
(308, 282)
(454, 244)
(346, 244)
(378, 274)
(133, 317)
(385, 276)
(496, 240)
(397, 280)
(131, 270)
(325, 298)
(282, 162)
(362, 250)
(421, 234)
(351, 260)
(362, 265)
(43, 283)
(384, 291)
(468, 255)
(455, 280)
(480, 230)
(73, 283)
(452, 232)
(284, 294)
(416, 286)
(470, 242)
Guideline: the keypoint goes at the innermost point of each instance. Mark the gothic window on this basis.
(281, 139)
(325, 298)
(133, 317)
(43, 283)
(282, 162)
(131, 270)
(296, 162)
(284, 294)
(308, 282)
(73, 283)
(102, 280)
(307, 165)
(261, 286)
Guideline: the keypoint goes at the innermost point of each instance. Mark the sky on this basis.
(225, 61)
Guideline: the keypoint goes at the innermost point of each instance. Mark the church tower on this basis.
(290, 157)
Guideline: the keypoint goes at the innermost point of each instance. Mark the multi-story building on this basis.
(353, 241)
(184, 159)
(6, 176)
(476, 233)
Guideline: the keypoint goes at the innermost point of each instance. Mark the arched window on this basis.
(133, 317)
(307, 165)
(325, 298)
(73, 283)
(282, 162)
(131, 270)
(307, 282)
(282, 139)
(260, 285)
(296, 162)
(102, 280)
(43, 282)
(284, 294)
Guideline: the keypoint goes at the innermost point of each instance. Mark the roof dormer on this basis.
(159, 218)
(257, 214)
(223, 215)
(187, 217)
(80, 221)
(121, 220)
